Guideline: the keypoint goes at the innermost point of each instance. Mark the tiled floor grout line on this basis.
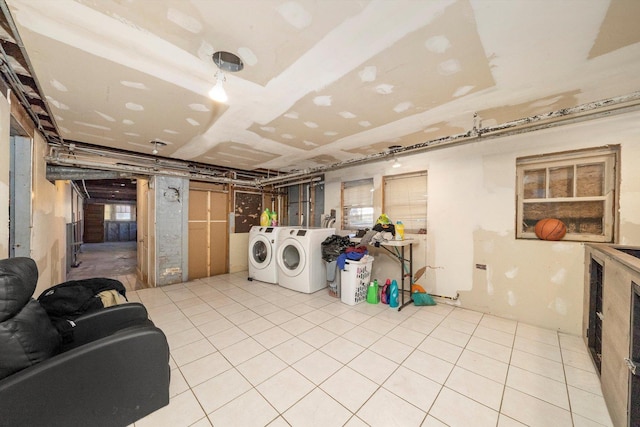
(254, 387)
(233, 285)
(345, 364)
(566, 381)
(442, 386)
(506, 376)
(178, 367)
(236, 295)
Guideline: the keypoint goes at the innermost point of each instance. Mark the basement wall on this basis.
(471, 220)
(4, 177)
(50, 209)
(238, 249)
(171, 229)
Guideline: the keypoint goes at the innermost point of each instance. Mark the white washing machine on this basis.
(263, 244)
(299, 259)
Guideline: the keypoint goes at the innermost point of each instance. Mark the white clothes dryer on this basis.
(263, 244)
(299, 259)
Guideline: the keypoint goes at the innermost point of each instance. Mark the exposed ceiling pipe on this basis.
(80, 193)
(315, 180)
(68, 154)
(565, 116)
(589, 111)
(84, 185)
(55, 173)
(142, 165)
(77, 156)
(147, 170)
(80, 150)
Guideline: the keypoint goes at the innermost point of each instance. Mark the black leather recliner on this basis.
(113, 372)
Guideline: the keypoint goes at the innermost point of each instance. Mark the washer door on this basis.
(260, 252)
(291, 257)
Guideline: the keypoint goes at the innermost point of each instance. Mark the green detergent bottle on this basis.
(372, 292)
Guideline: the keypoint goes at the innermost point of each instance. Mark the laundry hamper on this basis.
(333, 279)
(354, 280)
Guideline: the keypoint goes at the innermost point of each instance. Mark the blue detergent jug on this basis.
(393, 294)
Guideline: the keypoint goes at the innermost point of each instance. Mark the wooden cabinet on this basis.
(611, 300)
(208, 230)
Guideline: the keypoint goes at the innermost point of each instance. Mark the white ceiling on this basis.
(324, 81)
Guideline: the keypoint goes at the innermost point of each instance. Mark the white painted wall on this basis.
(50, 212)
(238, 252)
(471, 219)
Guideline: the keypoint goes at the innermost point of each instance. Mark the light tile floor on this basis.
(246, 353)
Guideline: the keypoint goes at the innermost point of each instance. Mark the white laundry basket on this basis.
(333, 286)
(354, 280)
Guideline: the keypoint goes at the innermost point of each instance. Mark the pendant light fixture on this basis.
(226, 61)
(392, 150)
(156, 144)
(217, 92)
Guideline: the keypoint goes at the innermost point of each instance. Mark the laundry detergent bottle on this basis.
(399, 230)
(384, 292)
(372, 292)
(265, 218)
(393, 294)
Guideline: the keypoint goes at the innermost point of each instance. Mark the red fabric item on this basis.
(359, 249)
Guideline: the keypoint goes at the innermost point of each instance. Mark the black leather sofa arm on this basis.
(112, 381)
(102, 323)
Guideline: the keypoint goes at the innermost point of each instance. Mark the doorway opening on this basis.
(108, 237)
(114, 260)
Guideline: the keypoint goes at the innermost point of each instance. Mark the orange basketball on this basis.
(550, 229)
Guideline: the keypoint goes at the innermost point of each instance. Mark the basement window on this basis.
(405, 199)
(580, 188)
(119, 212)
(357, 204)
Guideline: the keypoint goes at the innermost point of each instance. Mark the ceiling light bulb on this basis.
(157, 144)
(217, 93)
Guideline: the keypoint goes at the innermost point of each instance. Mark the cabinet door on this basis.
(634, 356)
(616, 328)
(595, 312)
(208, 233)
